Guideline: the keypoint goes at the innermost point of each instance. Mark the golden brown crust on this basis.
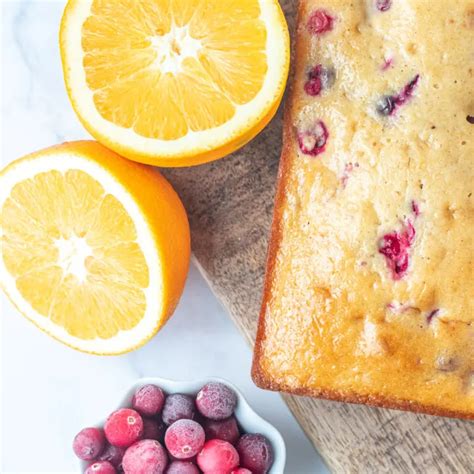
(263, 378)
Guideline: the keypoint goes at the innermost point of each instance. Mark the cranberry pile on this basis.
(174, 434)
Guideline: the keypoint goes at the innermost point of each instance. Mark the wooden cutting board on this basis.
(230, 206)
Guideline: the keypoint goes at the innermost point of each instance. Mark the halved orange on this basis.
(94, 248)
(174, 83)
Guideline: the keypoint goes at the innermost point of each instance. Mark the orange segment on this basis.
(95, 248)
(174, 82)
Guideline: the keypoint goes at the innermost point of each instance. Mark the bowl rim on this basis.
(242, 412)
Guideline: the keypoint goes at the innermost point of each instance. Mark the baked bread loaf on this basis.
(369, 287)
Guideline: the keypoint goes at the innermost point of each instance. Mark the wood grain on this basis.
(230, 209)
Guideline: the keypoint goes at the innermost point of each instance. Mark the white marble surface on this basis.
(48, 390)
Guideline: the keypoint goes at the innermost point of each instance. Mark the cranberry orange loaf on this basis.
(369, 288)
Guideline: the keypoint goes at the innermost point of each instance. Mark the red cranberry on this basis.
(255, 453)
(319, 78)
(395, 248)
(113, 454)
(227, 430)
(218, 457)
(388, 104)
(313, 141)
(407, 92)
(101, 467)
(388, 62)
(153, 429)
(182, 467)
(88, 443)
(240, 470)
(184, 439)
(178, 406)
(145, 457)
(148, 400)
(320, 22)
(431, 315)
(383, 5)
(216, 401)
(123, 427)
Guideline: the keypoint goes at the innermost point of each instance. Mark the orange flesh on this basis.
(125, 47)
(56, 207)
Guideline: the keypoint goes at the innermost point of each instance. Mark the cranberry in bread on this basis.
(369, 286)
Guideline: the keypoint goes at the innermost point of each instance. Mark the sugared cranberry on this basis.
(184, 439)
(216, 401)
(320, 22)
(88, 443)
(432, 315)
(153, 429)
(178, 406)
(101, 467)
(313, 141)
(227, 430)
(112, 454)
(255, 453)
(383, 5)
(123, 427)
(218, 456)
(148, 400)
(145, 457)
(388, 104)
(182, 467)
(240, 470)
(395, 247)
(319, 78)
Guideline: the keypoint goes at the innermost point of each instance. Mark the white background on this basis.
(48, 390)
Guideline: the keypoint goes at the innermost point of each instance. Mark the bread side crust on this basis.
(259, 376)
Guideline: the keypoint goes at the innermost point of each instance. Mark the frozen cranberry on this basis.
(383, 5)
(148, 400)
(227, 430)
(178, 406)
(313, 141)
(113, 454)
(218, 456)
(255, 453)
(101, 467)
(395, 247)
(152, 429)
(88, 443)
(216, 401)
(182, 467)
(319, 78)
(123, 427)
(145, 457)
(240, 470)
(184, 439)
(320, 22)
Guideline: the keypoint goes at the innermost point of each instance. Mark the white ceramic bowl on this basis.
(248, 420)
